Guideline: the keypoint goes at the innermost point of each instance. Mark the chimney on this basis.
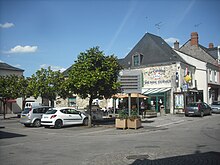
(211, 45)
(176, 45)
(194, 39)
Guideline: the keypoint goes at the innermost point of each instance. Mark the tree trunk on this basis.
(4, 108)
(90, 112)
(23, 103)
(52, 103)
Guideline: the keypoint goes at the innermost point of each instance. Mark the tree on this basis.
(25, 88)
(94, 75)
(48, 84)
(9, 89)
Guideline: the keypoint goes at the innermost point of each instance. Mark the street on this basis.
(163, 140)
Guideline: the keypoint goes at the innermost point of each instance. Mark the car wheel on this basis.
(85, 122)
(186, 115)
(201, 114)
(210, 112)
(37, 123)
(58, 124)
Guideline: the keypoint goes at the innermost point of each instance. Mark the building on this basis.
(6, 69)
(163, 72)
(12, 105)
(207, 70)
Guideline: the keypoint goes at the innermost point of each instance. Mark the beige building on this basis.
(13, 105)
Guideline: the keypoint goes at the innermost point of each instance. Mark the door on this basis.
(74, 116)
(67, 118)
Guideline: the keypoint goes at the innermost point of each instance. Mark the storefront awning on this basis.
(11, 101)
(133, 95)
(155, 90)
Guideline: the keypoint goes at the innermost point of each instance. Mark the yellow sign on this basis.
(187, 78)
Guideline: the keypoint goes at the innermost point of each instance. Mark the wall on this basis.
(10, 72)
(158, 76)
(200, 73)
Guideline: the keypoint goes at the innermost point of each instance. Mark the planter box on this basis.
(136, 123)
(121, 123)
(150, 113)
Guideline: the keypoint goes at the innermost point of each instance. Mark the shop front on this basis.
(158, 84)
(158, 98)
(181, 99)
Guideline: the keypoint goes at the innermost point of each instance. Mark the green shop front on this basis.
(158, 98)
(158, 86)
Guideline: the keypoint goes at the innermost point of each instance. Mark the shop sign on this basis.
(160, 75)
(185, 87)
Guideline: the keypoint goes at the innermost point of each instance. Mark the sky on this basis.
(37, 34)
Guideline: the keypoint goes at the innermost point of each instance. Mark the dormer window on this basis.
(137, 59)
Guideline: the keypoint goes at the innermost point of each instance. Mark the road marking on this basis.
(176, 122)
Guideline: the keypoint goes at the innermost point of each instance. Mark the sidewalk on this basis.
(161, 121)
(8, 117)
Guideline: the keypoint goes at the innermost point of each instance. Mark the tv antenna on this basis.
(146, 23)
(158, 26)
(197, 25)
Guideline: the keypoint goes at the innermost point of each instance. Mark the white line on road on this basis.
(176, 122)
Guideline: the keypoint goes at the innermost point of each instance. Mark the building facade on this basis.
(163, 73)
(12, 105)
(207, 67)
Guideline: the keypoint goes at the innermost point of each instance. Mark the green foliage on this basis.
(48, 84)
(134, 115)
(94, 75)
(122, 114)
(10, 87)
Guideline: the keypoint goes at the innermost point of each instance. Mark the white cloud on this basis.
(17, 65)
(54, 68)
(23, 49)
(171, 40)
(6, 25)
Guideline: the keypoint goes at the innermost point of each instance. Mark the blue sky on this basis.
(42, 33)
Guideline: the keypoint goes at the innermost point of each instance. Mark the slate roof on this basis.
(213, 52)
(4, 66)
(154, 50)
(200, 52)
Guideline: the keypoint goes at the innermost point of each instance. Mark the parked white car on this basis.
(63, 116)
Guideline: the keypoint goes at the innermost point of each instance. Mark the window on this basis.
(72, 102)
(72, 111)
(26, 110)
(137, 59)
(64, 111)
(210, 75)
(51, 111)
(215, 74)
(36, 110)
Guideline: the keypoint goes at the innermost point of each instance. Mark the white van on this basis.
(32, 104)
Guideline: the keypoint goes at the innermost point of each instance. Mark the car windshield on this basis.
(192, 105)
(51, 111)
(26, 110)
(216, 103)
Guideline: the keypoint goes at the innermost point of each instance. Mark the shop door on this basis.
(156, 102)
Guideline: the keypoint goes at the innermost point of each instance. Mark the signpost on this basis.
(130, 83)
